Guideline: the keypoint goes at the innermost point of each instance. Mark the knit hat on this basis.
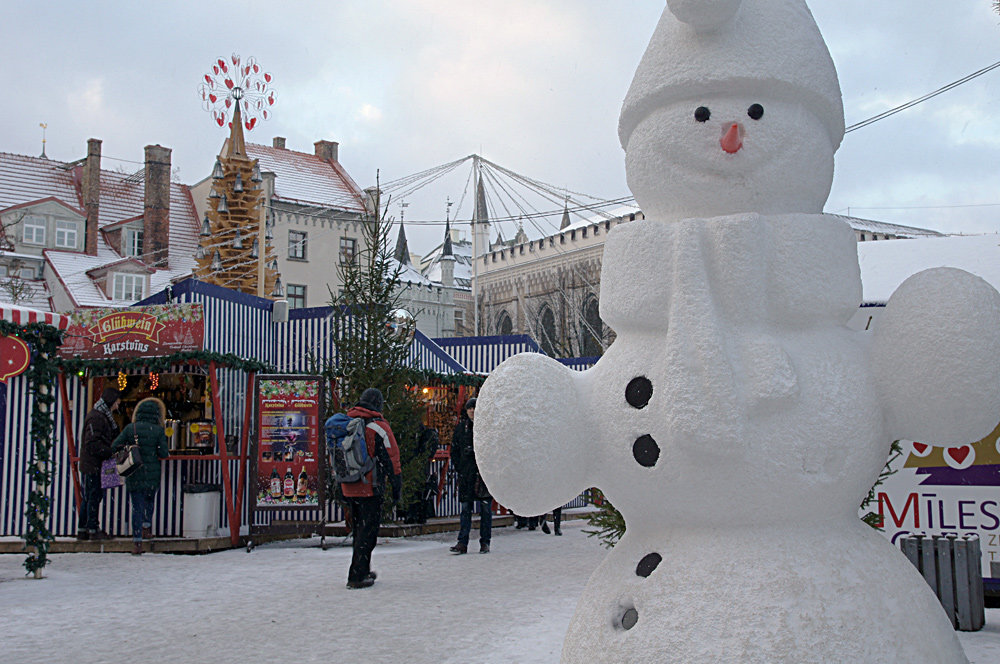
(109, 396)
(471, 403)
(371, 399)
(750, 48)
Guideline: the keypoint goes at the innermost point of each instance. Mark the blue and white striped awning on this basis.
(483, 354)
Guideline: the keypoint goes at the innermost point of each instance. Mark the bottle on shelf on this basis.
(289, 483)
(302, 488)
(275, 484)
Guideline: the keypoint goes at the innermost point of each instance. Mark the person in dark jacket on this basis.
(142, 485)
(365, 497)
(99, 429)
(470, 484)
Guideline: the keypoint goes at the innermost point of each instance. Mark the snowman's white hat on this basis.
(759, 49)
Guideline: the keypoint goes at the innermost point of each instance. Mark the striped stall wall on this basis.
(579, 363)
(305, 344)
(16, 445)
(482, 355)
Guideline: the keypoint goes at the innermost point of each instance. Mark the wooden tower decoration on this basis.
(235, 248)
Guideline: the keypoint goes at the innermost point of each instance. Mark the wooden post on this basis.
(220, 439)
(74, 459)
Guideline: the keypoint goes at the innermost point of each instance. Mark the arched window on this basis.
(504, 324)
(593, 328)
(547, 331)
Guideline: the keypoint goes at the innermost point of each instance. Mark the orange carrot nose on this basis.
(732, 142)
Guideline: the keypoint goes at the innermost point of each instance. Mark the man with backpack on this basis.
(364, 495)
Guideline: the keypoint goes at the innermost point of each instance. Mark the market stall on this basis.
(158, 351)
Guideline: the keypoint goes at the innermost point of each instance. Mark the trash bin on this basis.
(952, 567)
(200, 510)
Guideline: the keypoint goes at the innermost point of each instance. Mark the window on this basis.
(459, 320)
(26, 273)
(34, 230)
(504, 324)
(129, 287)
(296, 296)
(66, 234)
(547, 331)
(297, 245)
(133, 242)
(348, 249)
(3, 270)
(593, 329)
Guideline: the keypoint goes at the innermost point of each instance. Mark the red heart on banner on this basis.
(959, 454)
(16, 357)
(920, 447)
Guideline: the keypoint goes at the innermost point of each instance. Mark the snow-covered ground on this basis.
(287, 602)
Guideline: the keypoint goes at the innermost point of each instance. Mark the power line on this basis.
(919, 100)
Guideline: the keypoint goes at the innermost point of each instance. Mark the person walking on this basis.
(146, 429)
(99, 430)
(365, 496)
(471, 487)
(556, 521)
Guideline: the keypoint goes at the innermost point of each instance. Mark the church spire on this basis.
(447, 250)
(565, 217)
(402, 253)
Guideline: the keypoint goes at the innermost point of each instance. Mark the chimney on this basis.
(90, 187)
(327, 150)
(156, 207)
(279, 142)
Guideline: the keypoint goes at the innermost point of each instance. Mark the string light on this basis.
(154, 381)
(122, 381)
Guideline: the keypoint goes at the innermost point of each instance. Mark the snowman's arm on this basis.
(531, 433)
(936, 357)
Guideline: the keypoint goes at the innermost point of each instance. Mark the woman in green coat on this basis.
(142, 485)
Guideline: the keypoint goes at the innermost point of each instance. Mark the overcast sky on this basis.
(536, 86)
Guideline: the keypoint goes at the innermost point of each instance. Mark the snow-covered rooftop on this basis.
(887, 263)
(306, 179)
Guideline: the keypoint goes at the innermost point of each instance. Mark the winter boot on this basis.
(545, 526)
(484, 548)
(459, 549)
(137, 548)
(366, 582)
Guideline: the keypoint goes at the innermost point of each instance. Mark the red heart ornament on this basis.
(16, 357)
(267, 77)
(208, 79)
(215, 69)
(213, 98)
(959, 454)
(229, 83)
(221, 120)
(256, 69)
(920, 447)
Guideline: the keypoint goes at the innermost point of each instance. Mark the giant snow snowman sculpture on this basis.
(736, 421)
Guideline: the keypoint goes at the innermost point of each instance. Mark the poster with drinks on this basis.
(289, 453)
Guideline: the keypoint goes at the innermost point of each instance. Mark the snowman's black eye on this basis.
(756, 111)
(702, 114)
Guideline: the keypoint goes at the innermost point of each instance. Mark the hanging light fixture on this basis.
(268, 233)
(269, 218)
(217, 170)
(255, 249)
(238, 240)
(255, 176)
(199, 253)
(238, 185)
(223, 204)
(206, 227)
(279, 290)
(213, 193)
(274, 265)
(216, 261)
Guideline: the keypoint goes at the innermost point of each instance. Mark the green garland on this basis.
(43, 340)
(158, 364)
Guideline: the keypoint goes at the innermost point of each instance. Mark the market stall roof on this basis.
(23, 315)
